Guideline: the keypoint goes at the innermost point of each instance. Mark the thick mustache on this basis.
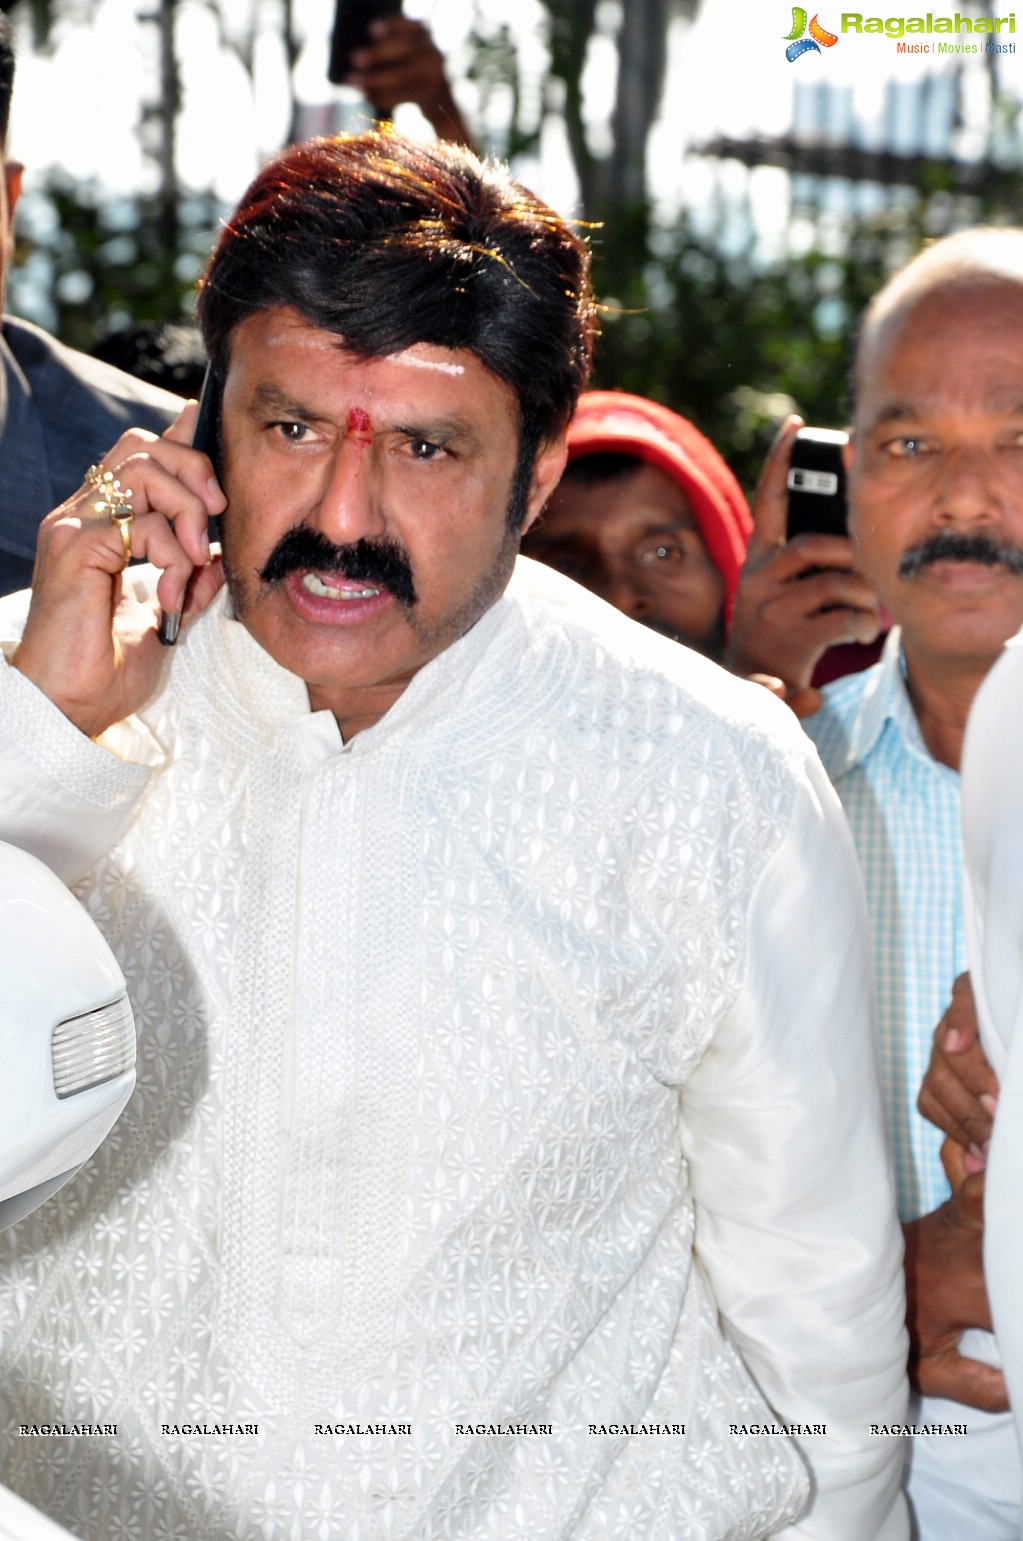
(381, 563)
(953, 546)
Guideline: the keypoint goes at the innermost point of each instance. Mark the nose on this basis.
(350, 507)
(969, 492)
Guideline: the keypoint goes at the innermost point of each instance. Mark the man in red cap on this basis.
(649, 517)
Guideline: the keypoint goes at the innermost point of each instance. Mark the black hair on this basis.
(6, 76)
(169, 354)
(388, 242)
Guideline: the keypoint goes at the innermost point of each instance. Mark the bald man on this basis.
(936, 519)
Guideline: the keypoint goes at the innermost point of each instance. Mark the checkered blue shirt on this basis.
(903, 808)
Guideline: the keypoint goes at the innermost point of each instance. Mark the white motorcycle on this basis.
(67, 1063)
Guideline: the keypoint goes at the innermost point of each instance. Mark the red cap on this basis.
(631, 425)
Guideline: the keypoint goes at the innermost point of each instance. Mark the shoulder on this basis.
(71, 384)
(642, 698)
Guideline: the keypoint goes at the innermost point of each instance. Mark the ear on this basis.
(547, 469)
(13, 172)
(848, 451)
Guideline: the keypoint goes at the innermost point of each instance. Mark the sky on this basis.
(78, 107)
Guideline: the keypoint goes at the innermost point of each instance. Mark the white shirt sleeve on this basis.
(992, 772)
(796, 1228)
(63, 797)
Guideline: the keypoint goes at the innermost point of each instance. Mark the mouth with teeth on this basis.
(334, 599)
(339, 585)
(343, 589)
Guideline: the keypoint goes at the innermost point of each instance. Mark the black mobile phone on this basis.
(206, 437)
(352, 20)
(816, 483)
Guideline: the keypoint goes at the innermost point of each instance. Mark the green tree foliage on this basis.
(698, 321)
(110, 261)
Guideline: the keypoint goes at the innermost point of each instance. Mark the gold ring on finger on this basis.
(121, 514)
(114, 503)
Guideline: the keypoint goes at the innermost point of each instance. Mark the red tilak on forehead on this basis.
(358, 420)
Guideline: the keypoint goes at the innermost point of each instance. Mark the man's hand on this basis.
(787, 613)
(402, 63)
(960, 1090)
(945, 1295)
(88, 644)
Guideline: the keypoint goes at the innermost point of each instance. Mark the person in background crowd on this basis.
(649, 517)
(974, 1093)
(402, 63)
(59, 409)
(936, 518)
(494, 1152)
(169, 354)
(804, 614)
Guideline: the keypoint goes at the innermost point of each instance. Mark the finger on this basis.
(389, 88)
(182, 430)
(179, 483)
(953, 1159)
(394, 40)
(385, 27)
(967, 1211)
(815, 549)
(205, 585)
(154, 540)
(959, 1024)
(770, 505)
(804, 700)
(162, 502)
(949, 1374)
(800, 637)
(831, 588)
(948, 1103)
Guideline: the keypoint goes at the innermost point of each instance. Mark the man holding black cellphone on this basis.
(495, 1169)
(936, 522)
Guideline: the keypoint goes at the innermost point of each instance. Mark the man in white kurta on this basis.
(506, 1159)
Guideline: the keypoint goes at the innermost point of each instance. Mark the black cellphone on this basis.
(207, 438)
(352, 20)
(816, 483)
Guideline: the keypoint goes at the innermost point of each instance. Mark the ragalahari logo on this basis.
(802, 39)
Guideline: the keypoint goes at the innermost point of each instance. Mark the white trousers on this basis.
(967, 1487)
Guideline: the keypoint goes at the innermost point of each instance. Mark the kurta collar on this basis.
(271, 699)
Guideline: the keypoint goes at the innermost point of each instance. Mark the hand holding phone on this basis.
(352, 21)
(799, 592)
(89, 642)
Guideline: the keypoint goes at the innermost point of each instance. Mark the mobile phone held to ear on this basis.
(207, 438)
(352, 20)
(816, 483)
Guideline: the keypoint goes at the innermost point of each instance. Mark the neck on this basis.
(355, 711)
(941, 691)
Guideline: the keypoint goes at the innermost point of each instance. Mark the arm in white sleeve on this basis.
(63, 797)
(796, 1228)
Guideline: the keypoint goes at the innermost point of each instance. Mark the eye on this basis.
(292, 433)
(664, 551)
(907, 448)
(424, 449)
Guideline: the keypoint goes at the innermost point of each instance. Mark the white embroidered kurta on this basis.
(483, 1061)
